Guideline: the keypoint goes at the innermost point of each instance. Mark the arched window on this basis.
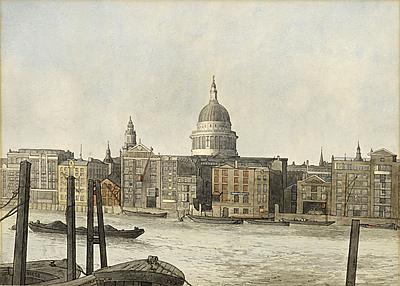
(208, 141)
(203, 142)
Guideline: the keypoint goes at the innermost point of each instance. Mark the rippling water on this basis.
(232, 254)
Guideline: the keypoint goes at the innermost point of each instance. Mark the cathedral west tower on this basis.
(213, 135)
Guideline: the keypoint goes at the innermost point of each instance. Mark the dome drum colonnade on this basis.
(213, 135)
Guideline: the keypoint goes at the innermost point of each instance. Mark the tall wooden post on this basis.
(89, 226)
(21, 236)
(353, 250)
(71, 236)
(100, 226)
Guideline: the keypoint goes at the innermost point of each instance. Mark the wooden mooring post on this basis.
(353, 251)
(21, 236)
(71, 235)
(100, 226)
(89, 227)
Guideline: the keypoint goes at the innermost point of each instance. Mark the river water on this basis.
(232, 254)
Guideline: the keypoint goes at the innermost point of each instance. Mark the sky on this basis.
(295, 76)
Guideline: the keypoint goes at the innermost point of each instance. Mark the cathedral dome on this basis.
(214, 112)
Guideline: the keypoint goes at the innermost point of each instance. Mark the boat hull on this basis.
(321, 223)
(145, 214)
(41, 271)
(214, 220)
(268, 222)
(134, 233)
(380, 226)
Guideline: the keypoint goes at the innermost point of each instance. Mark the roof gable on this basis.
(314, 179)
(382, 152)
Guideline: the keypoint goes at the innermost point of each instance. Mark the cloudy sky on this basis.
(293, 75)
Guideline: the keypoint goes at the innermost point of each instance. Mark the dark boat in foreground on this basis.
(150, 271)
(60, 227)
(145, 214)
(269, 222)
(215, 220)
(381, 226)
(310, 222)
(41, 271)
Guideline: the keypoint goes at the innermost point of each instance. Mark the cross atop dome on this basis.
(213, 91)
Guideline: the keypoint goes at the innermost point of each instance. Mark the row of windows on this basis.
(347, 166)
(236, 173)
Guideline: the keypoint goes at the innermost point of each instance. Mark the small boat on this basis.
(40, 271)
(150, 271)
(266, 221)
(381, 226)
(215, 220)
(145, 214)
(60, 227)
(310, 222)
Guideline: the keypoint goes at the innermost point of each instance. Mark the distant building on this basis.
(185, 182)
(111, 191)
(240, 191)
(366, 187)
(187, 185)
(3, 179)
(213, 135)
(300, 172)
(140, 177)
(290, 199)
(44, 181)
(83, 171)
(313, 196)
(114, 164)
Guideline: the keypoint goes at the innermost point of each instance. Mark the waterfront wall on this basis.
(338, 220)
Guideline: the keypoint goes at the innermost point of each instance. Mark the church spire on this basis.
(321, 159)
(213, 91)
(358, 153)
(130, 134)
(108, 158)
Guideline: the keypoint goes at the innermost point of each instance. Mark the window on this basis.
(245, 181)
(245, 174)
(236, 198)
(224, 173)
(246, 198)
(245, 188)
(225, 180)
(236, 188)
(236, 172)
(235, 210)
(216, 188)
(236, 180)
(245, 211)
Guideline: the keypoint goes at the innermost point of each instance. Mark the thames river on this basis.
(231, 254)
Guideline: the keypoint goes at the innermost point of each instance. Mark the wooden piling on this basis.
(71, 236)
(276, 212)
(89, 226)
(21, 236)
(100, 226)
(353, 251)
